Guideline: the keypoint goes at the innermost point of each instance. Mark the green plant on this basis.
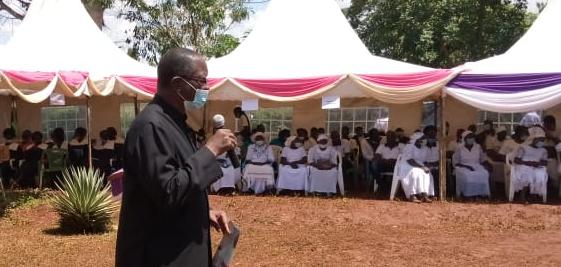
(84, 204)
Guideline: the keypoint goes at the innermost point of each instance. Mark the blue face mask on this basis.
(540, 144)
(470, 141)
(199, 100)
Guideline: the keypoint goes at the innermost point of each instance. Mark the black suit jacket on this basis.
(164, 218)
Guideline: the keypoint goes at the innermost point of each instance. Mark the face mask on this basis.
(423, 143)
(540, 144)
(431, 141)
(470, 141)
(199, 100)
(323, 146)
(297, 145)
(259, 143)
(301, 138)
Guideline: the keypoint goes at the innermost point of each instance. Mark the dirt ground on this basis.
(298, 231)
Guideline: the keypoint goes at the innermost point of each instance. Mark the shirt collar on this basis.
(176, 115)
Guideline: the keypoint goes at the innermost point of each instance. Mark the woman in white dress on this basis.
(530, 173)
(471, 177)
(322, 159)
(259, 174)
(415, 177)
(293, 173)
(231, 178)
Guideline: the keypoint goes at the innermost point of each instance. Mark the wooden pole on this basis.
(442, 146)
(136, 107)
(14, 113)
(89, 135)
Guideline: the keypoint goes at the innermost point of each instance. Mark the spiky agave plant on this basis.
(83, 203)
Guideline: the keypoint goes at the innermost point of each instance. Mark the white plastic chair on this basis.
(509, 176)
(277, 151)
(396, 178)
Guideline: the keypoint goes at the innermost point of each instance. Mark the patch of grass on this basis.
(21, 199)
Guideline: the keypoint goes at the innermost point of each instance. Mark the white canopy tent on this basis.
(525, 78)
(295, 40)
(58, 37)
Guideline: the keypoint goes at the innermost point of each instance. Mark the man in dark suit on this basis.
(165, 216)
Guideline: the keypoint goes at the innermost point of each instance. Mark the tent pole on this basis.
(443, 159)
(14, 113)
(136, 107)
(89, 125)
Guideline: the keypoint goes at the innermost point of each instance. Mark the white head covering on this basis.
(416, 136)
(322, 137)
(257, 134)
(536, 132)
(531, 119)
(466, 133)
(289, 141)
(501, 129)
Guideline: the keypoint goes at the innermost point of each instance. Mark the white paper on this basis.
(330, 102)
(57, 99)
(250, 104)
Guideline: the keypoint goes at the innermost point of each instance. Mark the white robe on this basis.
(259, 177)
(324, 181)
(290, 178)
(471, 183)
(230, 177)
(415, 180)
(535, 178)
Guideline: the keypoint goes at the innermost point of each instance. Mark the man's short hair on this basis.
(176, 62)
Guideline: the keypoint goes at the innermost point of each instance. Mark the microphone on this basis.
(218, 120)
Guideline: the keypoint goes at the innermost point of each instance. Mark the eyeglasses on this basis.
(199, 80)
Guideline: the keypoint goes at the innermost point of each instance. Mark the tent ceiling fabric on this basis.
(58, 38)
(525, 78)
(305, 49)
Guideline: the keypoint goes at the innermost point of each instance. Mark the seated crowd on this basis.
(363, 161)
(34, 161)
(525, 162)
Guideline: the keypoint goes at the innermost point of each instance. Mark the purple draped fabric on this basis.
(505, 83)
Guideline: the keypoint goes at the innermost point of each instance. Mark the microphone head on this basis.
(218, 120)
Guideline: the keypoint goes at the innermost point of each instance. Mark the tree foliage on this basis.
(201, 24)
(439, 33)
(16, 9)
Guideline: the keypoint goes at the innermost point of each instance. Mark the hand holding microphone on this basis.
(223, 140)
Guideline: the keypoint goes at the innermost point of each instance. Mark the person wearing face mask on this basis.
(472, 178)
(302, 135)
(385, 158)
(433, 154)
(416, 178)
(453, 145)
(231, 177)
(259, 174)
(530, 175)
(401, 138)
(165, 217)
(293, 172)
(487, 136)
(322, 159)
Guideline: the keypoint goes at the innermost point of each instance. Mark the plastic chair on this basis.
(396, 178)
(56, 162)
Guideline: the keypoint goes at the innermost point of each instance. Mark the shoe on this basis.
(414, 199)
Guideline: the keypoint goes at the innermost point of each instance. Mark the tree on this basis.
(201, 24)
(16, 9)
(439, 33)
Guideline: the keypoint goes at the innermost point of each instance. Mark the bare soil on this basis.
(299, 231)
